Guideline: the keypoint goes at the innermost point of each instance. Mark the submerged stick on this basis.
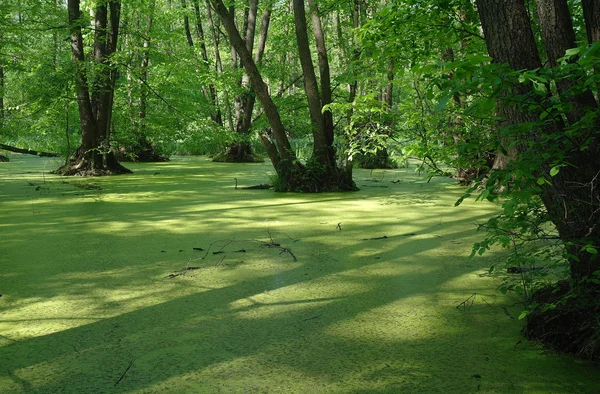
(126, 370)
(376, 238)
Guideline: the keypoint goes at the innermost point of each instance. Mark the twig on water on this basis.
(468, 303)
(126, 370)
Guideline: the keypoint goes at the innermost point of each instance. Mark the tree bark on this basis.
(215, 110)
(572, 196)
(321, 151)
(324, 72)
(241, 151)
(219, 64)
(591, 14)
(287, 160)
(94, 157)
(559, 36)
(292, 175)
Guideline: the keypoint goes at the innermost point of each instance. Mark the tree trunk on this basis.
(321, 151)
(285, 164)
(292, 175)
(559, 36)
(241, 151)
(190, 41)
(94, 157)
(591, 14)
(219, 65)
(324, 73)
(215, 110)
(1, 96)
(572, 196)
(142, 150)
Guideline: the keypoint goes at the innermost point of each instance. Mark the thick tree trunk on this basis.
(94, 157)
(572, 197)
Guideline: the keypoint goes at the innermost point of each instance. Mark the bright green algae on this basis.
(84, 275)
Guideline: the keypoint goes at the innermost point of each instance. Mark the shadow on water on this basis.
(88, 305)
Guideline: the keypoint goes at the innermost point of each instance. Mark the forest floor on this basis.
(170, 280)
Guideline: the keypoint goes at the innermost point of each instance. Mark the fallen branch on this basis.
(468, 303)
(376, 238)
(263, 186)
(29, 151)
(183, 272)
(225, 253)
(288, 250)
(312, 318)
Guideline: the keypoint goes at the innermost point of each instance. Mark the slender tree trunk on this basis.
(325, 75)
(219, 65)
(215, 110)
(287, 157)
(241, 151)
(142, 149)
(321, 149)
(1, 96)
(292, 175)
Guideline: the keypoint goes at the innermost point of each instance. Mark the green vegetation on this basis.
(86, 287)
(488, 101)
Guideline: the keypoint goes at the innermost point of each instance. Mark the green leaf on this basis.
(442, 104)
(554, 170)
(592, 51)
(523, 315)
(483, 195)
(541, 181)
(572, 52)
(509, 208)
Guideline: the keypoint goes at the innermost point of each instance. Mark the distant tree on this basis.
(95, 85)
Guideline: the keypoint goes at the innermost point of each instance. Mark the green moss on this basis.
(86, 288)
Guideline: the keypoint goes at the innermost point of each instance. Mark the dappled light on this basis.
(178, 282)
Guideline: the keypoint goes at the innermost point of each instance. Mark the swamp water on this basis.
(325, 293)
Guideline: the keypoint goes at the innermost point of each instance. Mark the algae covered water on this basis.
(171, 280)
